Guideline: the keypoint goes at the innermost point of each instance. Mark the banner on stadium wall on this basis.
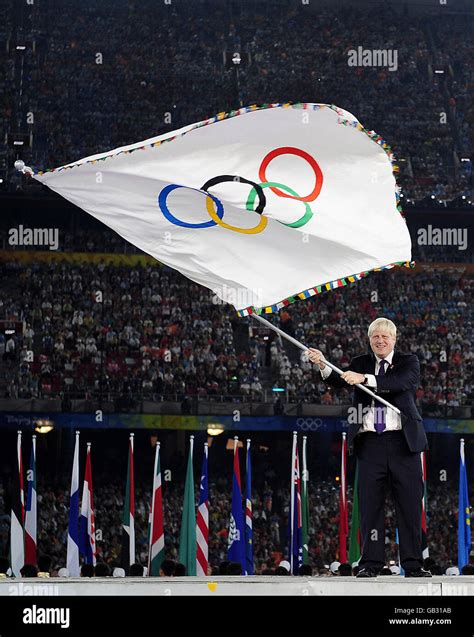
(30, 256)
(21, 420)
(131, 260)
(262, 205)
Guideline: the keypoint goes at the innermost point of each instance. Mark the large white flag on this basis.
(262, 205)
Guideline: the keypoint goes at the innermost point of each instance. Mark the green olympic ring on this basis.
(272, 184)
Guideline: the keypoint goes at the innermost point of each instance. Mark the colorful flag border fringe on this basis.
(330, 285)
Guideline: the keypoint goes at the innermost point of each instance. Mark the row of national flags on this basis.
(194, 534)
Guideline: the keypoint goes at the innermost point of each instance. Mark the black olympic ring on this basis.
(222, 178)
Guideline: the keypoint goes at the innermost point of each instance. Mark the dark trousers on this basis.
(386, 461)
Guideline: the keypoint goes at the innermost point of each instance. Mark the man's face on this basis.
(382, 342)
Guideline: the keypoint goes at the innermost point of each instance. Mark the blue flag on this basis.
(73, 531)
(248, 517)
(464, 516)
(236, 545)
(397, 541)
(295, 516)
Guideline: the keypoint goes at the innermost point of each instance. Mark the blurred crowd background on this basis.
(98, 75)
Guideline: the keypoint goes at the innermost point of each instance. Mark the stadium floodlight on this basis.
(44, 426)
(215, 429)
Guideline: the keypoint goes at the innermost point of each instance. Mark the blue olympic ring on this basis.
(166, 212)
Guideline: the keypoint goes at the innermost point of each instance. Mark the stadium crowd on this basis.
(104, 75)
(156, 336)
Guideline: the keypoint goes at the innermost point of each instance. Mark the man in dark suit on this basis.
(387, 446)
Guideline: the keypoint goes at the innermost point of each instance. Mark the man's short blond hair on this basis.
(384, 324)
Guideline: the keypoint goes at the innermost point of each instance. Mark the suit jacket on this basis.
(398, 386)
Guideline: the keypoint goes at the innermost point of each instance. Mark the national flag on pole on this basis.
(202, 523)
(73, 532)
(236, 538)
(249, 569)
(187, 538)
(397, 542)
(354, 540)
(424, 510)
(343, 510)
(17, 539)
(156, 553)
(128, 516)
(464, 512)
(296, 531)
(87, 519)
(30, 514)
(305, 504)
(239, 189)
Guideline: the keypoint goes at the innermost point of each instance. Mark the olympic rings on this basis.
(289, 150)
(271, 184)
(184, 224)
(215, 208)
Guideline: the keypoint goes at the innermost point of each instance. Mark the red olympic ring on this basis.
(289, 150)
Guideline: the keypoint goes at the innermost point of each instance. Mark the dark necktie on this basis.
(380, 410)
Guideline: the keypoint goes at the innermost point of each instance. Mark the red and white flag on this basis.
(202, 520)
(87, 520)
(156, 552)
(343, 511)
(17, 539)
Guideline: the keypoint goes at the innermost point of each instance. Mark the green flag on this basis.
(305, 506)
(187, 539)
(354, 538)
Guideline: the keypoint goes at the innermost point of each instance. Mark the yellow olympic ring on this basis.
(259, 228)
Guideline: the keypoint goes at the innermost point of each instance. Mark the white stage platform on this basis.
(258, 585)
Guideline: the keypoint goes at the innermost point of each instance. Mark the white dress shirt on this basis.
(393, 421)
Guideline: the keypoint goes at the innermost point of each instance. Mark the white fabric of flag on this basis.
(263, 205)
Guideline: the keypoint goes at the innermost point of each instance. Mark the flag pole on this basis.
(292, 498)
(343, 503)
(152, 512)
(131, 509)
(326, 362)
(305, 504)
